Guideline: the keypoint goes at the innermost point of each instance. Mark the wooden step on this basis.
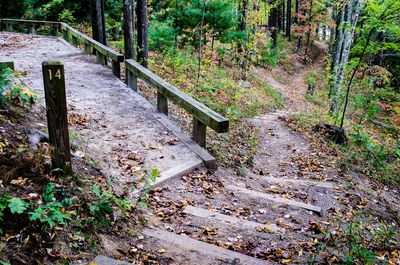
(103, 260)
(275, 198)
(195, 246)
(230, 220)
(286, 181)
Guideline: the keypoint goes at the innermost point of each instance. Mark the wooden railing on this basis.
(71, 35)
(203, 117)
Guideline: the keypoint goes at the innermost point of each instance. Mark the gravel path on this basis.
(119, 130)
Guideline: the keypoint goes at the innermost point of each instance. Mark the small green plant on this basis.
(14, 90)
(50, 215)
(149, 179)
(106, 205)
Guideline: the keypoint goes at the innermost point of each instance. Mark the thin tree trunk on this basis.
(289, 19)
(297, 10)
(274, 27)
(129, 40)
(142, 29)
(352, 18)
(201, 40)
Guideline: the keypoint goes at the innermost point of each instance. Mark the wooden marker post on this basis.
(56, 109)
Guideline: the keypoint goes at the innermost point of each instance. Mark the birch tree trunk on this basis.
(351, 22)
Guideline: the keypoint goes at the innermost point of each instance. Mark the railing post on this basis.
(9, 27)
(131, 80)
(100, 58)
(74, 41)
(199, 132)
(56, 109)
(162, 103)
(88, 48)
(54, 30)
(116, 68)
(31, 29)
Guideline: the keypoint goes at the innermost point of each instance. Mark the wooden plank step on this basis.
(103, 260)
(230, 220)
(177, 171)
(208, 159)
(192, 245)
(275, 198)
(314, 183)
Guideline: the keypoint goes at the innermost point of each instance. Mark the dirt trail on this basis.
(271, 213)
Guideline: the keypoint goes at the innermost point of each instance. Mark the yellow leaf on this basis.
(286, 260)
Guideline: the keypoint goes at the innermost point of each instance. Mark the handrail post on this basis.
(199, 132)
(131, 80)
(31, 29)
(162, 103)
(116, 68)
(54, 30)
(9, 27)
(100, 58)
(74, 41)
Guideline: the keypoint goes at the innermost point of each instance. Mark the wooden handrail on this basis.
(203, 116)
(73, 36)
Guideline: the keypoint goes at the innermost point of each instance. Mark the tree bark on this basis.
(289, 19)
(351, 20)
(98, 24)
(129, 40)
(274, 26)
(142, 32)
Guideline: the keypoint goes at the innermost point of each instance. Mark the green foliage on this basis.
(146, 182)
(161, 35)
(17, 205)
(311, 78)
(105, 206)
(14, 90)
(50, 215)
(381, 161)
(67, 16)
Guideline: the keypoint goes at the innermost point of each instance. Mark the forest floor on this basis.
(291, 204)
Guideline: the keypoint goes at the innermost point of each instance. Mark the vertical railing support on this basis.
(116, 68)
(131, 80)
(199, 132)
(88, 48)
(31, 29)
(100, 58)
(56, 109)
(9, 27)
(162, 103)
(74, 41)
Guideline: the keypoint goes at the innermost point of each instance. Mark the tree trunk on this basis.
(274, 26)
(351, 21)
(289, 19)
(297, 10)
(142, 32)
(242, 20)
(99, 32)
(129, 40)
